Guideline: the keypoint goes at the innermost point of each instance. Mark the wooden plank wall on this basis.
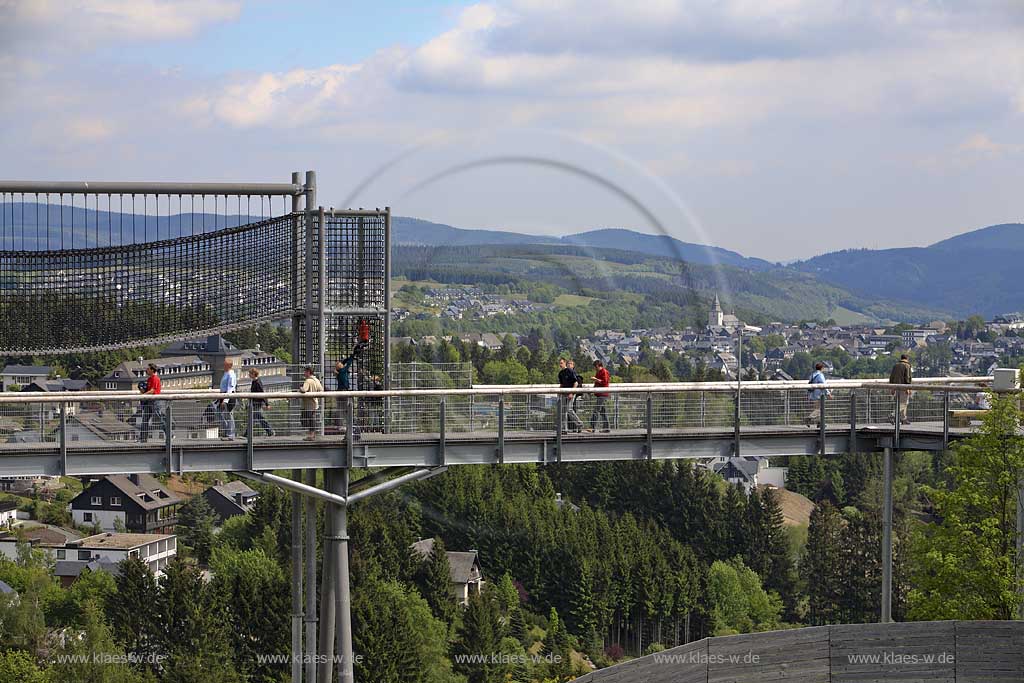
(910, 652)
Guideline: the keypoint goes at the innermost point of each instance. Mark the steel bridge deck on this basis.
(463, 448)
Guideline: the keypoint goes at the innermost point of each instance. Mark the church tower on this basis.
(717, 315)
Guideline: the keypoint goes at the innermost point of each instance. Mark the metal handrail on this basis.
(197, 189)
(507, 390)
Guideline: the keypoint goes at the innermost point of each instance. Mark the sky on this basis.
(777, 128)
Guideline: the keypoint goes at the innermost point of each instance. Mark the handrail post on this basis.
(821, 421)
(169, 431)
(896, 422)
(558, 428)
(736, 424)
(250, 424)
(853, 421)
(442, 442)
(64, 440)
(650, 426)
(501, 430)
(945, 420)
(350, 432)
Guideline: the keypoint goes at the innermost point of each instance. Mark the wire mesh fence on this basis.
(482, 414)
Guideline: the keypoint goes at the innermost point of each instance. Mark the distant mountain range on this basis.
(413, 231)
(976, 272)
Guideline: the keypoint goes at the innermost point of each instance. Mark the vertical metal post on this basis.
(343, 606)
(896, 422)
(703, 411)
(736, 424)
(443, 436)
(559, 426)
(945, 420)
(1020, 542)
(325, 651)
(309, 308)
(650, 426)
(853, 421)
(387, 316)
(821, 422)
(296, 568)
(297, 304)
(250, 435)
(64, 440)
(501, 430)
(168, 429)
(350, 432)
(615, 410)
(886, 611)
(785, 407)
(321, 309)
(311, 611)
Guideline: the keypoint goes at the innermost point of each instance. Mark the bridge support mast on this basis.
(886, 611)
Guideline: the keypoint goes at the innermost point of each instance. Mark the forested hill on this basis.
(760, 296)
(413, 231)
(974, 273)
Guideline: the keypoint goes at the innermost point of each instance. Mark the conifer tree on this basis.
(132, 610)
(479, 638)
(822, 564)
(196, 520)
(193, 630)
(434, 582)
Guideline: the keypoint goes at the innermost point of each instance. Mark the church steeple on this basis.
(717, 315)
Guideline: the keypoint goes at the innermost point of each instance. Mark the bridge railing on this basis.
(76, 419)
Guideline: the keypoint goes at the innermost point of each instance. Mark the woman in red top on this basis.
(601, 379)
(150, 408)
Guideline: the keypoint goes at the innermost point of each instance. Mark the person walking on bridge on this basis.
(311, 404)
(257, 405)
(343, 382)
(579, 383)
(151, 409)
(815, 395)
(567, 380)
(901, 374)
(601, 379)
(226, 406)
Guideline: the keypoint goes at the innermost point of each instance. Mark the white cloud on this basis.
(81, 23)
(982, 145)
(89, 129)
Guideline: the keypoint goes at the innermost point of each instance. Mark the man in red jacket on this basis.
(601, 379)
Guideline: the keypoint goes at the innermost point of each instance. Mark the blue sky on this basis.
(780, 129)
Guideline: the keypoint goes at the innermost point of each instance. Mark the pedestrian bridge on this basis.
(99, 433)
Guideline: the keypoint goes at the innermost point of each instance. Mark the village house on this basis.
(133, 502)
(463, 570)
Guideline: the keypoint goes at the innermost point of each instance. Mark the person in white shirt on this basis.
(226, 406)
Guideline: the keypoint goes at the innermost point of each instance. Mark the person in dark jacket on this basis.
(343, 381)
(257, 405)
(901, 374)
(579, 383)
(567, 379)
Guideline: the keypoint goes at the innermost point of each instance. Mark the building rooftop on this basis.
(71, 568)
(147, 492)
(26, 370)
(41, 534)
(116, 541)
